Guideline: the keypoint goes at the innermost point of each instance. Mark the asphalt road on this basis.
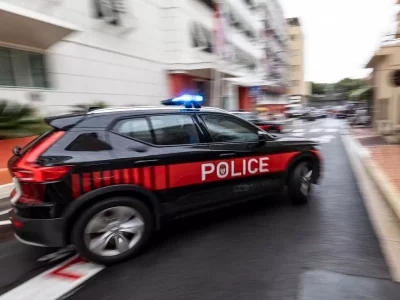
(259, 250)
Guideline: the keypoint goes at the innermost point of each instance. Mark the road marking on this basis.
(298, 134)
(4, 212)
(298, 130)
(2, 223)
(331, 129)
(56, 282)
(315, 130)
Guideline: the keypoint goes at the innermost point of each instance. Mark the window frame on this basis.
(236, 118)
(202, 137)
(29, 51)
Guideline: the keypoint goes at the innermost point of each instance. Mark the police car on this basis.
(106, 180)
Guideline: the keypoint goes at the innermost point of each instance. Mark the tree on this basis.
(317, 88)
(347, 85)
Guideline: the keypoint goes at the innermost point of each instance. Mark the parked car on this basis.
(295, 111)
(106, 180)
(273, 126)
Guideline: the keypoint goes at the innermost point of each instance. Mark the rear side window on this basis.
(174, 130)
(137, 128)
(88, 142)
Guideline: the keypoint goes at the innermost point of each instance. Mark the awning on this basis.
(24, 27)
(201, 70)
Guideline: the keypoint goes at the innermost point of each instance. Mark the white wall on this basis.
(101, 63)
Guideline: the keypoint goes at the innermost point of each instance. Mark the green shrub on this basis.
(19, 120)
(83, 108)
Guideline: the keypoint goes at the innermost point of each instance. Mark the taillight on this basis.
(27, 170)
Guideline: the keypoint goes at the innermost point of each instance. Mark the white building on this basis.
(58, 53)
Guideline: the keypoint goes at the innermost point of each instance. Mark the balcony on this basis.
(24, 27)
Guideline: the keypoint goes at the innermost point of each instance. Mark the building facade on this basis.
(385, 81)
(58, 53)
(299, 89)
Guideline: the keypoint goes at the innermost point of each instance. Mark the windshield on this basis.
(246, 116)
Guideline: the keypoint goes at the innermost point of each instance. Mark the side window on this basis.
(227, 129)
(174, 130)
(137, 128)
(88, 142)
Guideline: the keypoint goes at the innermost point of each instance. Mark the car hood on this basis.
(269, 122)
(288, 139)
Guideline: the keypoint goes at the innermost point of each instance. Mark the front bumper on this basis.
(38, 232)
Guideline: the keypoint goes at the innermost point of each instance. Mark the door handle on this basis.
(146, 161)
(227, 154)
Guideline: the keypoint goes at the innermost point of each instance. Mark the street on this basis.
(257, 250)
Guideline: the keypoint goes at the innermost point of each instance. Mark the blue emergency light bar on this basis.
(187, 100)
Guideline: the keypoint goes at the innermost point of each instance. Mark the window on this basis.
(226, 129)
(6, 71)
(137, 128)
(22, 68)
(174, 130)
(383, 109)
(88, 142)
(293, 37)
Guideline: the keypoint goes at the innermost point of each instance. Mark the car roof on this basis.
(152, 109)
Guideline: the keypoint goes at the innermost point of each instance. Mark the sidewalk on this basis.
(376, 164)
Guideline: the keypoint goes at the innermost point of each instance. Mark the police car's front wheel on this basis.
(112, 230)
(299, 185)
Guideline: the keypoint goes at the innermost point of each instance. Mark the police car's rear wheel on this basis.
(299, 187)
(112, 230)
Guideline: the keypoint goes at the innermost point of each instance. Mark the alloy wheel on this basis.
(114, 231)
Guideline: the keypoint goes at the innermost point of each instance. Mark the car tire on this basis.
(121, 207)
(299, 185)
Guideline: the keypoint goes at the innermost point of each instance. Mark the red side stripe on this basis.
(117, 176)
(160, 181)
(107, 178)
(97, 180)
(147, 182)
(126, 178)
(136, 176)
(76, 185)
(86, 182)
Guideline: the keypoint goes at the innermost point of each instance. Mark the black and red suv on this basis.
(104, 181)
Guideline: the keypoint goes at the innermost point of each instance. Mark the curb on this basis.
(377, 193)
(376, 173)
(384, 185)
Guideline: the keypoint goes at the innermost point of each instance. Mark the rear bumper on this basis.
(38, 232)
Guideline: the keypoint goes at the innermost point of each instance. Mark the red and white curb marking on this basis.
(56, 282)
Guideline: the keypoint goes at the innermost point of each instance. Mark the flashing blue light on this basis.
(188, 98)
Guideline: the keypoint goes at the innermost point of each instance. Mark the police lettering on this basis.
(226, 169)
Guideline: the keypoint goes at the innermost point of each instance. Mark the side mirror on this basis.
(263, 136)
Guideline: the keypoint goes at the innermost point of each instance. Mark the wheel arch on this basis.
(304, 156)
(90, 198)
